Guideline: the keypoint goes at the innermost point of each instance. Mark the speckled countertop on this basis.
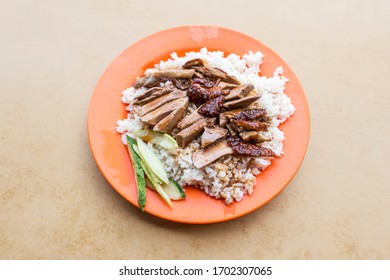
(54, 202)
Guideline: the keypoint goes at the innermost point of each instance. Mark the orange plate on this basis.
(112, 157)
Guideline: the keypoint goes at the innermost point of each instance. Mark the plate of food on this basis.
(198, 124)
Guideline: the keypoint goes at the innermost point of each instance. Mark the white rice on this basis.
(231, 177)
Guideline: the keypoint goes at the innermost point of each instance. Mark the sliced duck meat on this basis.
(227, 86)
(175, 73)
(155, 94)
(241, 103)
(147, 81)
(167, 124)
(201, 70)
(198, 75)
(157, 115)
(241, 148)
(211, 135)
(192, 132)
(250, 115)
(212, 72)
(196, 64)
(232, 80)
(155, 77)
(253, 137)
(249, 125)
(148, 93)
(239, 92)
(213, 107)
(211, 153)
(225, 116)
(261, 138)
(193, 62)
(190, 119)
(231, 129)
(158, 102)
(215, 73)
(182, 84)
(249, 136)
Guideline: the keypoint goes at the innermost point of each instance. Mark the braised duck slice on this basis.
(158, 102)
(190, 119)
(175, 73)
(153, 78)
(241, 125)
(232, 80)
(261, 138)
(239, 92)
(204, 157)
(154, 94)
(225, 116)
(241, 148)
(231, 129)
(167, 124)
(192, 132)
(193, 62)
(228, 86)
(211, 135)
(199, 71)
(148, 93)
(212, 72)
(249, 136)
(242, 103)
(215, 73)
(251, 114)
(147, 81)
(157, 115)
(181, 83)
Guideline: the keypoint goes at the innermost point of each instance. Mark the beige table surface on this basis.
(54, 202)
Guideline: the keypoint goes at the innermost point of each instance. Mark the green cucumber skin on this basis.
(149, 184)
(161, 139)
(139, 173)
(174, 191)
(157, 187)
(179, 193)
(164, 195)
(152, 161)
(164, 142)
(179, 188)
(149, 174)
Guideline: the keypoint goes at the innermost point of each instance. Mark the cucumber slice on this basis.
(156, 186)
(174, 190)
(165, 141)
(152, 161)
(149, 184)
(148, 172)
(138, 172)
(164, 195)
(144, 134)
(161, 139)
